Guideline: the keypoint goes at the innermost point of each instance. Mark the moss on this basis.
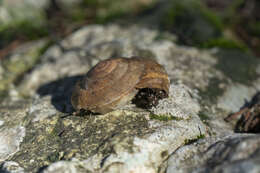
(231, 15)
(106, 10)
(211, 17)
(192, 22)
(91, 3)
(77, 15)
(54, 157)
(254, 28)
(22, 29)
(164, 117)
(190, 141)
(223, 43)
(97, 11)
(110, 16)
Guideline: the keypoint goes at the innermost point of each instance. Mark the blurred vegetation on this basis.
(233, 24)
(230, 24)
(191, 22)
(22, 30)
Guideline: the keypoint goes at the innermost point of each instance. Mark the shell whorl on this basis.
(103, 68)
(108, 83)
(106, 74)
(114, 82)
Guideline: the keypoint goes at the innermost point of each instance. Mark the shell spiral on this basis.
(114, 82)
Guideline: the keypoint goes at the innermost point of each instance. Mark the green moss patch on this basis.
(197, 25)
(24, 29)
(222, 42)
(105, 11)
(192, 22)
(190, 141)
(164, 117)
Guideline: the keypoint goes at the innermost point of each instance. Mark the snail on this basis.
(113, 83)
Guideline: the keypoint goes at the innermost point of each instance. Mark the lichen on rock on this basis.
(127, 139)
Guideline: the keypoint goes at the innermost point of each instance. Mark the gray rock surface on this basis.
(10, 140)
(235, 153)
(203, 91)
(11, 167)
(17, 64)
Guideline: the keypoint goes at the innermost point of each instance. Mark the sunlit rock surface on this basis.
(40, 132)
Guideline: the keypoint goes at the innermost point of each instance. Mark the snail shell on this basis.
(112, 83)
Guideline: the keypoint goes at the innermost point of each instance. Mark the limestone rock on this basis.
(11, 167)
(236, 153)
(201, 95)
(10, 140)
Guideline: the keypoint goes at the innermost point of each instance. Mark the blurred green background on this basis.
(228, 24)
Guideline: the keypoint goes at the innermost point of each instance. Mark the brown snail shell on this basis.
(114, 82)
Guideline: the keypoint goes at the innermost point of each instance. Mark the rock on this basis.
(10, 140)
(65, 167)
(147, 153)
(1, 123)
(11, 167)
(19, 62)
(128, 139)
(236, 153)
(237, 95)
(180, 62)
(41, 109)
(118, 137)
(179, 104)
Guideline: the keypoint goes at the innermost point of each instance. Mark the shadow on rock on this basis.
(60, 91)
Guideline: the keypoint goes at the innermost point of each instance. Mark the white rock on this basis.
(10, 140)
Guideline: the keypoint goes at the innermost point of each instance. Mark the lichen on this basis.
(69, 137)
